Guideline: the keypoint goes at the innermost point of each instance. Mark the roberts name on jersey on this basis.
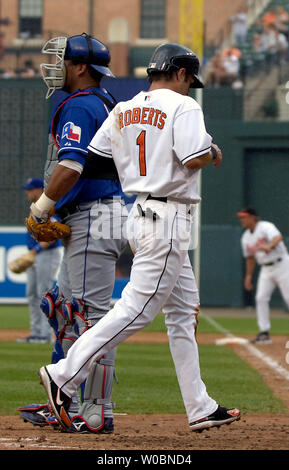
(151, 116)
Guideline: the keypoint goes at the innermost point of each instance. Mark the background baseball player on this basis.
(158, 143)
(84, 196)
(41, 264)
(262, 243)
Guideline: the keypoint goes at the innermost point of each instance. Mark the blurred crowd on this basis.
(28, 71)
(272, 35)
(224, 68)
(269, 42)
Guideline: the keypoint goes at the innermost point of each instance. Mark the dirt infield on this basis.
(170, 432)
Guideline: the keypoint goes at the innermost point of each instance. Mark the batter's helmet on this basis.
(172, 57)
(80, 48)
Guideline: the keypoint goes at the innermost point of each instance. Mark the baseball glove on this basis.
(19, 265)
(46, 231)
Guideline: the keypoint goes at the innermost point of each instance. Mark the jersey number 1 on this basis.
(142, 153)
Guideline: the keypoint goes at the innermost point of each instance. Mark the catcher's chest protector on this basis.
(53, 145)
(51, 159)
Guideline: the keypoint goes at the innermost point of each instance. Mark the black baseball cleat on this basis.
(218, 418)
(58, 400)
(262, 338)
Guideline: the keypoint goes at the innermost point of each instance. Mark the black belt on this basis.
(162, 199)
(70, 209)
(66, 211)
(273, 262)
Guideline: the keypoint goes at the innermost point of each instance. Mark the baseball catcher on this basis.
(80, 192)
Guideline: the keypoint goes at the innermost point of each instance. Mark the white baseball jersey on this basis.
(164, 130)
(263, 233)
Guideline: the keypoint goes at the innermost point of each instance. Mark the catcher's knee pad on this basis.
(97, 407)
(58, 317)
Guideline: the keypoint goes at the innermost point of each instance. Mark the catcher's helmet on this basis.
(86, 49)
(172, 57)
(81, 48)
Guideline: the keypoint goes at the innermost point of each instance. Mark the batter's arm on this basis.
(250, 267)
(215, 155)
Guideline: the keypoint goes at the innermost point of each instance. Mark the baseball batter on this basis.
(84, 195)
(158, 143)
(262, 243)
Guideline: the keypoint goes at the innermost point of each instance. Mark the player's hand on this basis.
(39, 215)
(218, 160)
(265, 247)
(248, 282)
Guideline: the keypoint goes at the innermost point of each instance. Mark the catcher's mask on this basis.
(171, 57)
(81, 48)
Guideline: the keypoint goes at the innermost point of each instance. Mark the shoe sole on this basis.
(200, 427)
(45, 381)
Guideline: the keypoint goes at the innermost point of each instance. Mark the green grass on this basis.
(19, 382)
(17, 317)
(236, 325)
(147, 379)
(14, 317)
(148, 384)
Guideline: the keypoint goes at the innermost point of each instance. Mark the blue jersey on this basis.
(73, 126)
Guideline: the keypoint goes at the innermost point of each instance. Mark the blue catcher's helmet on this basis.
(80, 48)
(84, 48)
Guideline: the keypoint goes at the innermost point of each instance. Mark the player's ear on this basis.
(81, 69)
(181, 74)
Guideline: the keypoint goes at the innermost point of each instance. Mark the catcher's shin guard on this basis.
(52, 305)
(57, 352)
(96, 412)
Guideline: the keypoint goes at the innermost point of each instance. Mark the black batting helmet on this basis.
(172, 57)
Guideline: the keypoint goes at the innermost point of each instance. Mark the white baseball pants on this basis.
(161, 279)
(269, 278)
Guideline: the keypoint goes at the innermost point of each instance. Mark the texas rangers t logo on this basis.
(71, 132)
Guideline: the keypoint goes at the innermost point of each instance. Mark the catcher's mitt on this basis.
(46, 231)
(19, 265)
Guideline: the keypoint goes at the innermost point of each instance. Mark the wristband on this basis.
(44, 203)
(214, 153)
(38, 248)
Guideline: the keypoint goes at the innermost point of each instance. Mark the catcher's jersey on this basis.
(150, 138)
(263, 233)
(73, 125)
